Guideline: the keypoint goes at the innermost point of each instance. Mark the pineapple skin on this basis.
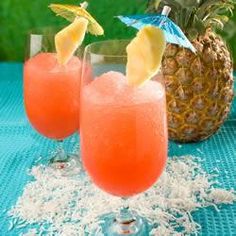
(199, 88)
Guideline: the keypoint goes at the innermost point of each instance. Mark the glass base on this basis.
(68, 167)
(113, 226)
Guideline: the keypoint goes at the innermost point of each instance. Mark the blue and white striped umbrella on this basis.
(173, 33)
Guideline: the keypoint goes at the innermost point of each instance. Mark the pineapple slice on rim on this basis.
(145, 54)
(71, 37)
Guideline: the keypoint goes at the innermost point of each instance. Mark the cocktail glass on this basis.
(51, 96)
(123, 131)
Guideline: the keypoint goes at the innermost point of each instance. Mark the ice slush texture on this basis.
(51, 95)
(123, 133)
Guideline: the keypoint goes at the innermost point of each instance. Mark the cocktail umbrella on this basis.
(70, 12)
(172, 32)
(71, 37)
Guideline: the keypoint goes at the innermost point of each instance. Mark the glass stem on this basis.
(60, 153)
(125, 221)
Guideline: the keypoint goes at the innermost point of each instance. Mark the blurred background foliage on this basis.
(17, 17)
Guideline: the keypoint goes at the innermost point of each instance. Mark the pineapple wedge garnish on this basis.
(145, 54)
(69, 39)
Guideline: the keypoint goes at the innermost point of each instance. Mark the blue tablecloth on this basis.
(20, 146)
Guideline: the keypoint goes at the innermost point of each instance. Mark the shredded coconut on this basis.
(57, 205)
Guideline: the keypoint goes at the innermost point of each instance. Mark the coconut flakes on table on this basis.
(57, 205)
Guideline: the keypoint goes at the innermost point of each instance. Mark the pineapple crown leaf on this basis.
(196, 15)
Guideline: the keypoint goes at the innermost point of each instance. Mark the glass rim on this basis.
(89, 46)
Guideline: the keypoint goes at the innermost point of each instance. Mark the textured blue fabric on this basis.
(20, 146)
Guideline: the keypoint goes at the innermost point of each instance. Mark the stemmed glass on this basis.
(51, 96)
(123, 131)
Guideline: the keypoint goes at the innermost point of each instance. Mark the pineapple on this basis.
(199, 86)
(149, 41)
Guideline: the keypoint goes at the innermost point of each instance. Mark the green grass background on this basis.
(17, 17)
